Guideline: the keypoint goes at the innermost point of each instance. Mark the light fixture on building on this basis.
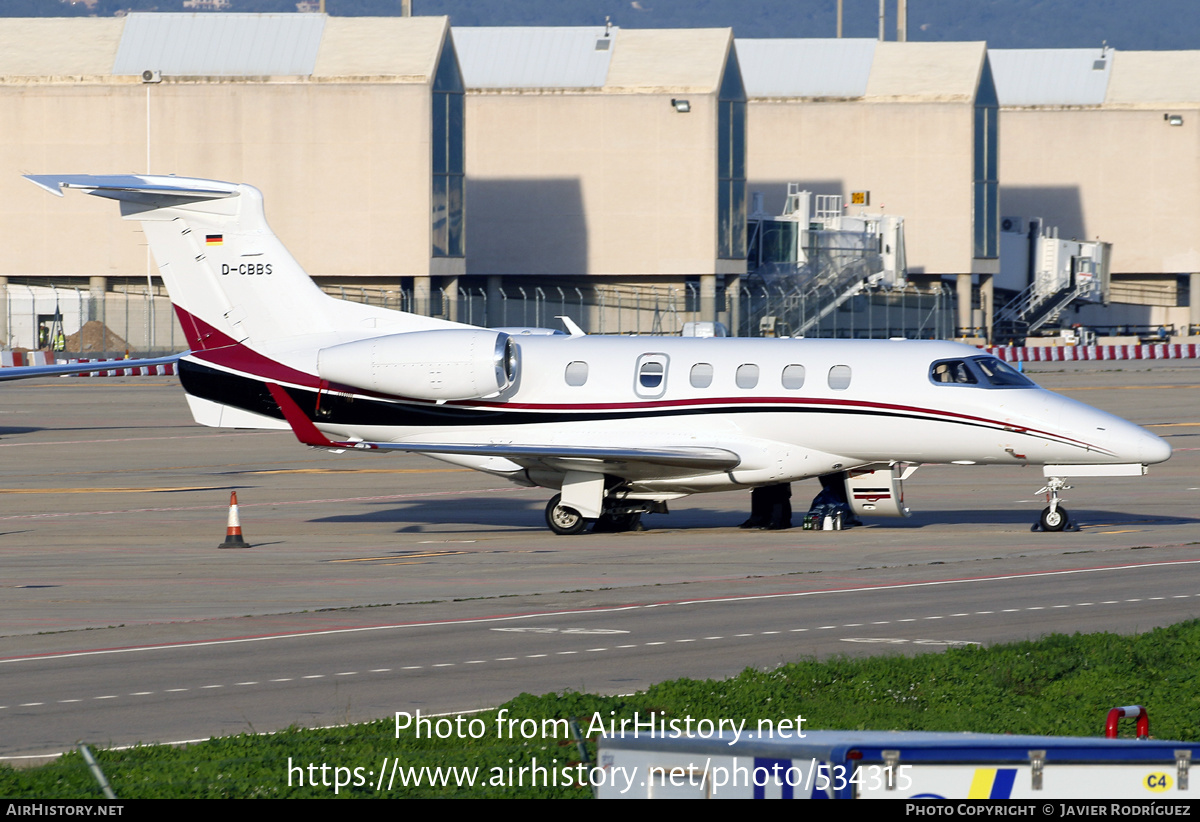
(1173, 119)
(682, 106)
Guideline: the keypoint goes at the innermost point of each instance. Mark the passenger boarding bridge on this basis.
(1048, 275)
(816, 262)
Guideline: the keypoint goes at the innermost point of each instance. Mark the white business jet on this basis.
(618, 426)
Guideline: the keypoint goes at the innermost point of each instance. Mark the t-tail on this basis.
(228, 275)
(253, 317)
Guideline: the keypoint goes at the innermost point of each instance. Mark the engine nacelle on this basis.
(450, 364)
(879, 492)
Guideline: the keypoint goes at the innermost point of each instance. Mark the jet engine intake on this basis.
(450, 364)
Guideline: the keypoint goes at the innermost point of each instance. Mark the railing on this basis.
(138, 318)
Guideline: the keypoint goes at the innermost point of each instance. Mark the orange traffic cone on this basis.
(233, 531)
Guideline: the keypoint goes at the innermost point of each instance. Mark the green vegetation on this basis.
(1059, 685)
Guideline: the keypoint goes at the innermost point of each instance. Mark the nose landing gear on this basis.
(1054, 517)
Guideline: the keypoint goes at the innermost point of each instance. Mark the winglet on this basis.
(302, 426)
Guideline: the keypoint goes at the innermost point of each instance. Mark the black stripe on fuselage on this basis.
(251, 394)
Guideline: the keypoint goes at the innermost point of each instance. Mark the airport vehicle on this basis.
(766, 760)
(619, 426)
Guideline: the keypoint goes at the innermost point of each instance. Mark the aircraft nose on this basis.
(1152, 448)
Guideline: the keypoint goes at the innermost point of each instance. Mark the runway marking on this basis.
(614, 609)
(132, 439)
(108, 490)
(407, 556)
(1122, 387)
(361, 471)
(224, 505)
(657, 643)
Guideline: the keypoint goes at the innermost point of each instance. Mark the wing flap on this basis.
(601, 459)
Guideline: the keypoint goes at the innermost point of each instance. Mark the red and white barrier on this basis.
(1070, 353)
(22, 358)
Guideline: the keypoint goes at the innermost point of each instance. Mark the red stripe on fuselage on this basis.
(217, 348)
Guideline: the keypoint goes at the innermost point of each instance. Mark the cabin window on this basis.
(577, 373)
(792, 377)
(747, 375)
(839, 377)
(651, 380)
(702, 375)
(651, 375)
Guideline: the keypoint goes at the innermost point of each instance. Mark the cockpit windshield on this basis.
(980, 372)
(1000, 373)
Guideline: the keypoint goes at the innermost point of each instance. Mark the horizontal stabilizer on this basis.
(134, 187)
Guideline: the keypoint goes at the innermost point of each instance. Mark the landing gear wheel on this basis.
(1055, 519)
(563, 520)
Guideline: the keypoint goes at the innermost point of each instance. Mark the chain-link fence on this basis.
(73, 321)
(137, 318)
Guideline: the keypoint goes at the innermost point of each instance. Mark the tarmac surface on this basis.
(379, 583)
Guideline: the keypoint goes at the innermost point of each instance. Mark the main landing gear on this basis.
(1054, 517)
(563, 520)
(566, 521)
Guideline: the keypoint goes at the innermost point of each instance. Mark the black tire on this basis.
(1055, 520)
(618, 523)
(563, 520)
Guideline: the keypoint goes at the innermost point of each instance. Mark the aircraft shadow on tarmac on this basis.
(421, 516)
(7, 431)
(1020, 516)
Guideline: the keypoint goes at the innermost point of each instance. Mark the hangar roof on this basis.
(1154, 77)
(609, 60)
(1051, 77)
(238, 45)
(393, 47)
(806, 68)
(53, 47)
(534, 57)
(223, 45)
(861, 69)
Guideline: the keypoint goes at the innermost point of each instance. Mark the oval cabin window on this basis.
(839, 377)
(792, 377)
(702, 375)
(577, 373)
(747, 375)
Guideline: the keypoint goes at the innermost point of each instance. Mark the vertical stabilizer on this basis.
(225, 270)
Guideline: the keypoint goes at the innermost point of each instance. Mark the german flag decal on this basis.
(214, 239)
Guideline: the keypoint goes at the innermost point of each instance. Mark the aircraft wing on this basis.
(677, 460)
(25, 372)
